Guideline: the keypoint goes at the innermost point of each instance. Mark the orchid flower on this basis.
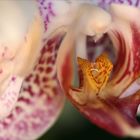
(88, 50)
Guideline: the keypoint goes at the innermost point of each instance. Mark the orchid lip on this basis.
(110, 93)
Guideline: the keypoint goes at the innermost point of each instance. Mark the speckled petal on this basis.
(39, 98)
(19, 38)
(106, 3)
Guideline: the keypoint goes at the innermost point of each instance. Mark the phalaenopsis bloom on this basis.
(86, 50)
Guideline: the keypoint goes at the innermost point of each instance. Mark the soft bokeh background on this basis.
(71, 125)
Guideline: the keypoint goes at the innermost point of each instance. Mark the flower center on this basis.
(97, 73)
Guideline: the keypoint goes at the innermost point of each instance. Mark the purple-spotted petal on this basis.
(106, 3)
(40, 100)
(20, 37)
(32, 97)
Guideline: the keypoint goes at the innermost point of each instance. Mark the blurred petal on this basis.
(106, 3)
(18, 42)
(107, 107)
(32, 98)
(57, 13)
(40, 100)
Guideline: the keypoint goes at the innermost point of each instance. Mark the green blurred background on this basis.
(71, 125)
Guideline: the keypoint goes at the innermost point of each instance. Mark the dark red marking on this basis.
(37, 79)
(50, 60)
(48, 70)
(45, 79)
(13, 78)
(18, 110)
(26, 100)
(40, 69)
(136, 48)
(29, 90)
